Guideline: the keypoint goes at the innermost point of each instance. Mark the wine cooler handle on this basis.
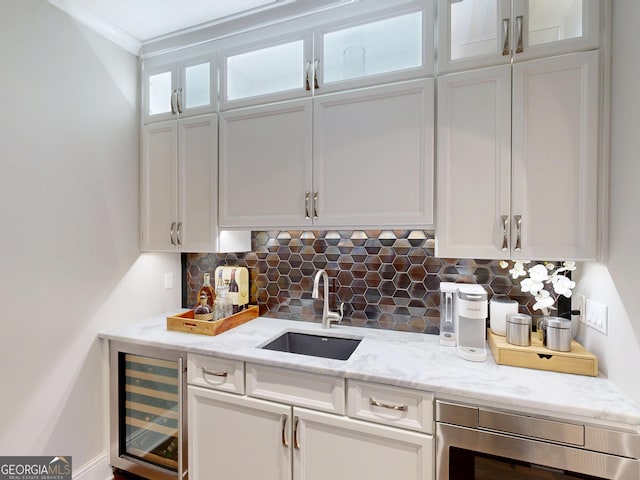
(171, 234)
(518, 222)
(181, 431)
(505, 233)
(285, 417)
(307, 198)
(506, 48)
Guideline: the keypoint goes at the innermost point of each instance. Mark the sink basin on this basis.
(337, 348)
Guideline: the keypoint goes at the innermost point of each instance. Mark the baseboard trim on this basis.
(97, 468)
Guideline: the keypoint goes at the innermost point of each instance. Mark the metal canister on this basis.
(519, 329)
(558, 334)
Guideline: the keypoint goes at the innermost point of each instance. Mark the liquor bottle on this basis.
(203, 311)
(208, 290)
(233, 291)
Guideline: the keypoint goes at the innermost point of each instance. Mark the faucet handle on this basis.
(336, 317)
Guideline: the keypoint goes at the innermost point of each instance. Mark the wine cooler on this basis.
(148, 412)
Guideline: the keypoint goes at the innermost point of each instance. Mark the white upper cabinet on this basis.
(524, 187)
(173, 89)
(359, 52)
(479, 33)
(268, 70)
(338, 55)
(373, 156)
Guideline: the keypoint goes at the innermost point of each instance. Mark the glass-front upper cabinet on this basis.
(479, 33)
(173, 89)
(386, 48)
(267, 70)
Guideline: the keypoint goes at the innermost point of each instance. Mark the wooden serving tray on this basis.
(184, 322)
(578, 361)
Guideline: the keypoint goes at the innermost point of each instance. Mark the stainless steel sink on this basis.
(337, 348)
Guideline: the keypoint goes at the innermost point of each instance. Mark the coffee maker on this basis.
(468, 309)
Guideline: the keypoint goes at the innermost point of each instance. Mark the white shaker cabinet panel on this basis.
(265, 165)
(474, 163)
(159, 186)
(373, 156)
(555, 157)
(327, 446)
(234, 437)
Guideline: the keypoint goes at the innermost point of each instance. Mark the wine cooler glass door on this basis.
(150, 410)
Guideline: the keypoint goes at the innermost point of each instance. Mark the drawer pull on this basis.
(215, 374)
(401, 408)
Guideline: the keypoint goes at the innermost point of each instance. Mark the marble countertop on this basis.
(410, 360)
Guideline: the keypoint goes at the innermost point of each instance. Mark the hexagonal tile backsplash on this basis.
(386, 278)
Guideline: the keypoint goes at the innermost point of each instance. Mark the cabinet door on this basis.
(555, 157)
(268, 70)
(549, 27)
(197, 89)
(197, 228)
(265, 165)
(373, 156)
(159, 184)
(158, 86)
(328, 446)
(233, 437)
(474, 158)
(351, 54)
(473, 33)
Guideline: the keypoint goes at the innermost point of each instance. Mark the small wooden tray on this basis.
(579, 360)
(184, 322)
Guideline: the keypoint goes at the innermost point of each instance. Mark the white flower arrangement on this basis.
(541, 275)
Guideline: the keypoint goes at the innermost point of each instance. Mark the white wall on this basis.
(616, 282)
(69, 259)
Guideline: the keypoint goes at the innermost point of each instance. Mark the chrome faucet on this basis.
(327, 315)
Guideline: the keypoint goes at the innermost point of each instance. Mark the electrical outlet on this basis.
(168, 281)
(596, 316)
(580, 305)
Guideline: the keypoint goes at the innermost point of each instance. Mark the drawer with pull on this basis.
(215, 373)
(388, 405)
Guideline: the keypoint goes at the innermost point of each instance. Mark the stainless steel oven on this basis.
(475, 443)
(148, 417)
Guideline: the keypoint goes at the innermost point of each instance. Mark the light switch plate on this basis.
(168, 281)
(596, 316)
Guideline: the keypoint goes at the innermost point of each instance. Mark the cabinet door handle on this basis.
(506, 25)
(518, 222)
(296, 424)
(179, 100)
(174, 96)
(178, 239)
(307, 82)
(171, 234)
(315, 205)
(520, 44)
(316, 66)
(401, 408)
(505, 233)
(285, 417)
(307, 198)
(215, 374)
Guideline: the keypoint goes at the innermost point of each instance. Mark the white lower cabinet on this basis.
(235, 436)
